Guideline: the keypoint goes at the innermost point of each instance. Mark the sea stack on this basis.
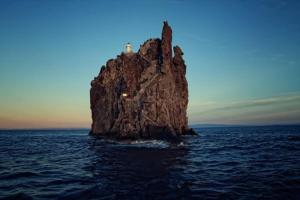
(142, 94)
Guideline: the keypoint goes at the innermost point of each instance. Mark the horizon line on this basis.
(190, 126)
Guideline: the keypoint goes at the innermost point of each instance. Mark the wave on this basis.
(143, 143)
(19, 175)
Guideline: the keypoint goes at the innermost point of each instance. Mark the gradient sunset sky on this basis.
(243, 57)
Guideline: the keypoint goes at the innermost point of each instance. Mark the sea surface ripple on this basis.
(219, 163)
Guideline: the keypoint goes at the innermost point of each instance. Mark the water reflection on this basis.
(142, 171)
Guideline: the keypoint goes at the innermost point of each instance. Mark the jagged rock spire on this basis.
(166, 45)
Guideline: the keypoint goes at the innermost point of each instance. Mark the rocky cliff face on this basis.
(143, 94)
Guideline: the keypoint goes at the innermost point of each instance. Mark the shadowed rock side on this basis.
(143, 94)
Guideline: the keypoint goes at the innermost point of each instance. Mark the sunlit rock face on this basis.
(142, 94)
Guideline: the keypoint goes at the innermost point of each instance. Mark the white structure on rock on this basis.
(128, 48)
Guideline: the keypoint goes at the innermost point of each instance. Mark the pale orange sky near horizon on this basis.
(267, 111)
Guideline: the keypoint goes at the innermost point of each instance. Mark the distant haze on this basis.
(242, 57)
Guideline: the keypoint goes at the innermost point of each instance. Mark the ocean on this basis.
(260, 162)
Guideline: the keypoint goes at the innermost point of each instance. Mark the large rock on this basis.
(143, 94)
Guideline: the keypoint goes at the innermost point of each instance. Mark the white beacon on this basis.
(128, 48)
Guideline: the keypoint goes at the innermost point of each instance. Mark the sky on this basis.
(242, 57)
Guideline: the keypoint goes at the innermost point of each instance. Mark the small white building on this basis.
(128, 48)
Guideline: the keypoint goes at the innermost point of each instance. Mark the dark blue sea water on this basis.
(220, 163)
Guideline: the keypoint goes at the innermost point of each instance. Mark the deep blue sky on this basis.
(243, 57)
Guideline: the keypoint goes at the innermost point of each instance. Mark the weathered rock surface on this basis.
(143, 94)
